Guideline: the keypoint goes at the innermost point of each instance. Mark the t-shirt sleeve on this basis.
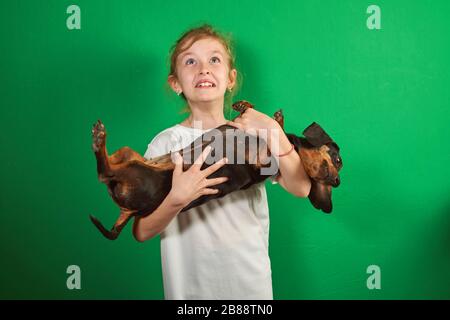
(159, 146)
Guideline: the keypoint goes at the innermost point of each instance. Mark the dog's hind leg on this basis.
(99, 147)
(125, 154)
(125, 216)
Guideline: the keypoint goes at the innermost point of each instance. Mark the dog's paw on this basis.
(98, 136)
(279, 117)
(241, 106)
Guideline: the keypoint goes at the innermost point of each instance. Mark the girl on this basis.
(218, 250)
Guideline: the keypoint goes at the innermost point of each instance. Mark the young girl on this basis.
(218, 250)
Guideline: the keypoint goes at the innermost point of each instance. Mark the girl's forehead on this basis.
(204, 46)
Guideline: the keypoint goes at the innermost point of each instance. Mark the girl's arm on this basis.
(293, 176)
(145, 228)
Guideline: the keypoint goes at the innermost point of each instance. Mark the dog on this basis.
(138, 186)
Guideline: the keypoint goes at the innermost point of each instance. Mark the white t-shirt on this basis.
(218, 250)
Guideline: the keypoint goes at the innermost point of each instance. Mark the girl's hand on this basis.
(253, 122)
(191, 184)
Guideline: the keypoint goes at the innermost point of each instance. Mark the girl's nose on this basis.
(204, 69)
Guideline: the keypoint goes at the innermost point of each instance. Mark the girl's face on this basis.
(203, 72)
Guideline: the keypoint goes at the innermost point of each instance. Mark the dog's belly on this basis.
(241, 176)
(136, 188)
(139, 188)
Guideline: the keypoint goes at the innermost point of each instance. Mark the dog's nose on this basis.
(337, 181)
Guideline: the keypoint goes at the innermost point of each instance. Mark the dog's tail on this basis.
(124, 217)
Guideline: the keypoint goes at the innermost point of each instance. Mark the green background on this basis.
(383, 95)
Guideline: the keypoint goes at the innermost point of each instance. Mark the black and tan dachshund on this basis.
(138, 186)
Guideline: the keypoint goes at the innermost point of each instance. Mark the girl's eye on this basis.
(190, 61)
(215, 59)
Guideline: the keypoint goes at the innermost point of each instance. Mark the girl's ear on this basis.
(232, 78)
(173, 82)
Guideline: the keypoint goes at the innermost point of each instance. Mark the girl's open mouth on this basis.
(205, 84)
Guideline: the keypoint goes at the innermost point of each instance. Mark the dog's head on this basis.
(322, 162)
(324, 158)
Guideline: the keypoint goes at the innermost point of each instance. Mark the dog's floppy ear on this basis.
(320, 196)
(316, 136)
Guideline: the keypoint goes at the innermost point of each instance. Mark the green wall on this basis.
(383, 95)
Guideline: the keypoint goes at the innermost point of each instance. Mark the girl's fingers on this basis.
(214, 181)
(206, 191)
(215, 167)
(199, 161)
(178, 163)
(236, 125)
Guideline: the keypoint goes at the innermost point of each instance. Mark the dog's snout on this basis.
(337, 182)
